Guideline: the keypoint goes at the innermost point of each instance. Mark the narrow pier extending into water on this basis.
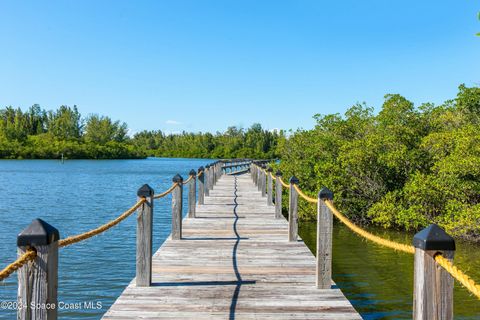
(234, 261)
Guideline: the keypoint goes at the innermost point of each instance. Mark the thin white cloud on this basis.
(174, 122)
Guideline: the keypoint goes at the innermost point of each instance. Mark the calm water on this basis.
(379, 281)
(80, 195)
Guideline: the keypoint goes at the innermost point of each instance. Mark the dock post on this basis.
(293, 211)
(144, 237)
(324, 240)
(38, 280)
(433, 285)
(177, 206)
(211, 176)
(192, 194)
(255, 173)
(206, 172)
(201, 185)
(259, 178)
(278, 195)
(269, 187)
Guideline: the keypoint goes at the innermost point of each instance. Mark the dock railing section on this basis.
(433, 248)
(38, 243)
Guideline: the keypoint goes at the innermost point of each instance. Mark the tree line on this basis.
(404, 167)
(41, 134)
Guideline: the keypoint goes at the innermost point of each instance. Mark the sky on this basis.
(206, 65)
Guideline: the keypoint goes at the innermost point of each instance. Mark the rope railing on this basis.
(49, 242)
(163, 194)
(29, 255)
(188, 180)
(286, 185)
(80, 237)
(304, 196)
(461, 277)
(367, 235)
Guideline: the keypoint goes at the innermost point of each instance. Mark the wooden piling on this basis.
(433, 285)
(192, 194)
(278, 195)
(293, 211)
(177, 205)
(144, 237)
(201, 185)
(38, 280)
(324, 240)
(269, 186)
(206, 173)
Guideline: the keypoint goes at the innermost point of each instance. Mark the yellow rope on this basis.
(304, 196)
(161, 195)
(74, 239)
(286, 185)
(29, 255)
(273, 177)
(461, 277)
(387, 243)
(188, 180)
(199, 174)
(465, 280)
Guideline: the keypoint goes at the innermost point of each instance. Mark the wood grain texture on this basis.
(177, 209)
(144, 244)
(433, 287)
(269, 190)
(201, 189)
(292, 214)
(38, 283)
(278, 198)
(324, 245)
(234, 262)
(192, 189)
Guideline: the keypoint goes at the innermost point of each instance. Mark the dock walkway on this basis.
(233, 262)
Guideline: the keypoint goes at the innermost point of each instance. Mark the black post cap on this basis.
(269, 169)
(145, 191)
(178, 178)
(294, 180)
(193, 172)
(207, 166)
(38, 233)
(433, 238)
(325, 194)
(201, 169)
(278, 173)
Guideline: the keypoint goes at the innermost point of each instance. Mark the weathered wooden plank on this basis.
(234, 261)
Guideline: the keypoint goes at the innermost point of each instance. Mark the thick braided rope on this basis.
(367, 235)
(199, 174)
(286, 185)
(273, 177)
(74, 239)
(161, 195)
(29, 255)
(304, 196)
(461, 277)
(188, 180)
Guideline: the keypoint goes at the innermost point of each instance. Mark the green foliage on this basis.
(37, 133)
(403, 168)
(235, 142)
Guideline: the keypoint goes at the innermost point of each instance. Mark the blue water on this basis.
(80, 195)
(75, 197)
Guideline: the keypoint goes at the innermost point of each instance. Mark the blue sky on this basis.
(205, 65)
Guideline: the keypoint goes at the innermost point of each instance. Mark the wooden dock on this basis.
(233, 262)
